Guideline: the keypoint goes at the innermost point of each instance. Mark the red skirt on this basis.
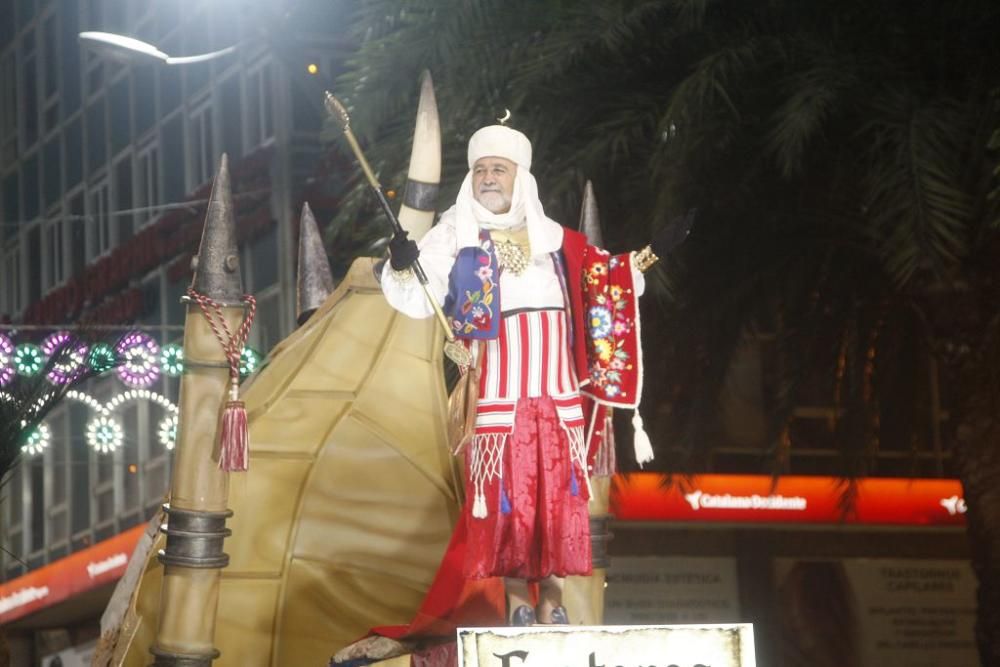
(537, 523)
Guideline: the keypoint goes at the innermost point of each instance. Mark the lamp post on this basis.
(129, 49)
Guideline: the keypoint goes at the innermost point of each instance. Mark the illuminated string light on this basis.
(6, 360)
(105, 434)
(54, 341)
(172, 360)
(249, 361)
(38, 440)
(101, 358)
(140, 394)
(28, 359)
(87, 400)
(68, 370)
(139, 354)
(168, 431)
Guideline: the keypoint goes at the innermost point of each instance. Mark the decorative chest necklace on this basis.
(513, 251)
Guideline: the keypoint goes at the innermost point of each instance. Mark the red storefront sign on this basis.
(92, 567)
(811, 500)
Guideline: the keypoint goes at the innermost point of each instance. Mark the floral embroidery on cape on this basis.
(473, 302)
(611, 321)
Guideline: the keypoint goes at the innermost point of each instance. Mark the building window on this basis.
(99, 219)
(97, 150)
(31, 190)
(29, 91)
(147, 184)
(80, 475)
(32, 262)
(57, 509)
(232, 117)
(173, 159)
(73, 137)
(131, 498)
(11, 205)
(52, 171)
(10, 290)
(170, 79)
(196, 40)
(202, 147)
(50, 68)
(144, 94)
(259, 107)
(94, 61)
(118, 109)
(8, 110)
(69, 93)
(107, 503)
(36, 511)
(77, 225)
(123, 200)
(53, 259)
(15, 521)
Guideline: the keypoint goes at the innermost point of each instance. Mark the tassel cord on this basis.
(234, 439)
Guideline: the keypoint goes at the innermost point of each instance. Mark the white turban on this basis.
(544, 235)
(500, 141)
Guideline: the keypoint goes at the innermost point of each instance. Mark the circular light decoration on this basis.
(104, 434)
(249, 361)
(54, 341)
(168, 431)
(37, 441)
(140, 355)
(172, 359)
(71, 364)
(28, 359)
(6, 360)
(101, 358)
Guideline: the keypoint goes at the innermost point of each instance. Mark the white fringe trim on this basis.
(485, 465)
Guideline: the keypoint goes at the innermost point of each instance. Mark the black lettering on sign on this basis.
(505, 658)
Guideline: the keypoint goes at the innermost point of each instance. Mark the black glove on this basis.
(402, 252)
(673, 234)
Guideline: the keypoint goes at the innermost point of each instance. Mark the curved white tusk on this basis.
(416, 213)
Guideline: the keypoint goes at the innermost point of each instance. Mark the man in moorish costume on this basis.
(549, 318)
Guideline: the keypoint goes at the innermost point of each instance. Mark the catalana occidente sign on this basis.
(729, 645)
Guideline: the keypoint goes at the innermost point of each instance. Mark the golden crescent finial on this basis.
(506, 116)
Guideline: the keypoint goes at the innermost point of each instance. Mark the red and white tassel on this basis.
(234, 445)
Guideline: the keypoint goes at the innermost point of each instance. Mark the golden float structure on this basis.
(351, 495)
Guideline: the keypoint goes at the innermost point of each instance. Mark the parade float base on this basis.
(350, 499)
(724, 645)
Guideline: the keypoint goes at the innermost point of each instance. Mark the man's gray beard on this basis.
(494, 202)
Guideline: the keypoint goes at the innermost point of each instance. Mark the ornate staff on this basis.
(455, 350)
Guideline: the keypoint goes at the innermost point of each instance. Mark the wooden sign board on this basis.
(728, 645)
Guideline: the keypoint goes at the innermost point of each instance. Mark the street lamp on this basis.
(125, 48)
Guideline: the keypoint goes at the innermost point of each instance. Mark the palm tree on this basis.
(840, 155)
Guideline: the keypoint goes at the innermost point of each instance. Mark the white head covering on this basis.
(544, 234)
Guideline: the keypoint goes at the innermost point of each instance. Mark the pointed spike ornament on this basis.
(315, 280)
(217, 269)
(590, 219)
(217, 285)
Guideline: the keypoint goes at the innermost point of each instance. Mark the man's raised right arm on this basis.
(436, 252)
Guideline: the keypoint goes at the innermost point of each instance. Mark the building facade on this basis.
(105, 167)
